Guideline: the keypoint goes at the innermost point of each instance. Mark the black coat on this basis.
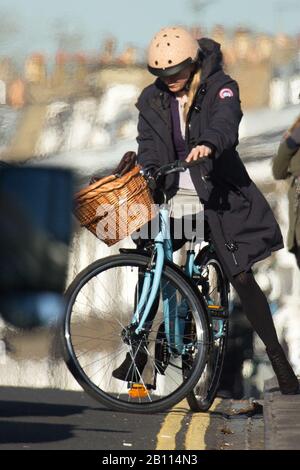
(244, 229)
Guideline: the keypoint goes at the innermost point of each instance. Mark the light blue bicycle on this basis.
(141, 333)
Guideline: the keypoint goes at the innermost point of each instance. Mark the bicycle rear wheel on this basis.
(214, 287)
(97, 337)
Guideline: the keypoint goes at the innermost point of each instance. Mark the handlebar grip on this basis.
(184, 164)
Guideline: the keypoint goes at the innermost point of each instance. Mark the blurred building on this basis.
(7, 70)
(284, 49)
(59, 74)
(16, 93)
(108, 52)
(35, 69)
(197, 32)
(80, 67)
(8, 73)
(128, 56)
(219, 34)
(242, 45)
(264, 48)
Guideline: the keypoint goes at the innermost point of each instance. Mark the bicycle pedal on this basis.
(217, 310)
(138, 391)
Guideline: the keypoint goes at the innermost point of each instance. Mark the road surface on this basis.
(48, 419)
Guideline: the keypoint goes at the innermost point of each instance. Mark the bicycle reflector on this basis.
(138, 391)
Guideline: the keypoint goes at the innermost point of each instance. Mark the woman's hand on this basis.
(201, 151)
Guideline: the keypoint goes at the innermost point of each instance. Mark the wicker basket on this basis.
(114, 207)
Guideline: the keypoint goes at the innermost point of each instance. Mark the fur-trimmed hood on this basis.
(212, 57)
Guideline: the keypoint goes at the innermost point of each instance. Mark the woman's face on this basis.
(177, 82)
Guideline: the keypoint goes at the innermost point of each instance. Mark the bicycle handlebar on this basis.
(175, 167)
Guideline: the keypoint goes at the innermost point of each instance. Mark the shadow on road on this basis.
(62, 418)
(10, 409)
(12, 432)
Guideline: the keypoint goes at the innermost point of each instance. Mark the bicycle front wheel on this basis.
(125, 371)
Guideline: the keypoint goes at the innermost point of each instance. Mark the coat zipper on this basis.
(232, 247)
(202, 91)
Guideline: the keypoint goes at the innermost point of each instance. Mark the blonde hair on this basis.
(192, 92)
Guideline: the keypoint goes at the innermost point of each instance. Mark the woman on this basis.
(286, 164)
(192, 111)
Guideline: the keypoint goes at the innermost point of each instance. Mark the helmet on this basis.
(171, 50)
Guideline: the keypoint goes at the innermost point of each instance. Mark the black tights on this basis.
(256, 308)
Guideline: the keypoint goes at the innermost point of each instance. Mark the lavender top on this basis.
(178, 128)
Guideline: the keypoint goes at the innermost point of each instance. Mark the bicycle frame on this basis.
(174, 314)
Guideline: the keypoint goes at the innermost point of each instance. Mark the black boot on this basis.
(131, 370)
(287, 380)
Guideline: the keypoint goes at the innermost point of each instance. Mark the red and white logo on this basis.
(225, 93)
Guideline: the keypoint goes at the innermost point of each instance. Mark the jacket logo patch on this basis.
(225, 93)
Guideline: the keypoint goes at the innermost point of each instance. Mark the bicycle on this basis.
(168, 324)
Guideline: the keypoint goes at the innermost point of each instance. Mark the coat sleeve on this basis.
(225, 117)
(147, 155)
(281, 161)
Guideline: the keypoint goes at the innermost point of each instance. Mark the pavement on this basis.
(281, 418)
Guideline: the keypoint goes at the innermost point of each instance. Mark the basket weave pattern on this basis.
(114, 207)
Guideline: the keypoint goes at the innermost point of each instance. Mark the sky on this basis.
(31, 25)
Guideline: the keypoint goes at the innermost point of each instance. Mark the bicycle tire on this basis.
(201, 398)
(170, 273)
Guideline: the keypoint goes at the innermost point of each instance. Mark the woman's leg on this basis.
(257, 310)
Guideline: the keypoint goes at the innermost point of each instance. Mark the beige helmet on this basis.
(171, 50)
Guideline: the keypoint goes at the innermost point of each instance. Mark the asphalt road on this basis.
(44, 419)
(55, 419)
